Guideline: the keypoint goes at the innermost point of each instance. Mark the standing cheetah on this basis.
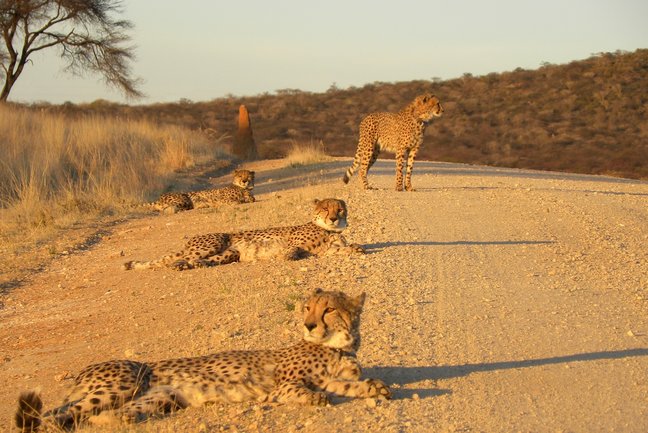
(401, 133)
(322, 236)
(324, 361)
(238, 192)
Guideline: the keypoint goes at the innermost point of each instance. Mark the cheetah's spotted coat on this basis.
(401, 133)
(239, 192)
(323, 362)
(322, 236)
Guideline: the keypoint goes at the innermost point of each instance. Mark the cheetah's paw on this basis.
(377, 388)
(319, 399)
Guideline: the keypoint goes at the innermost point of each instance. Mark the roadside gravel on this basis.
(498, 300)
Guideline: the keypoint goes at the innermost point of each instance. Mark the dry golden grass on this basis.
(301, 154)
(57, 171)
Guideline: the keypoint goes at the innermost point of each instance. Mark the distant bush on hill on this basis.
(587, 116)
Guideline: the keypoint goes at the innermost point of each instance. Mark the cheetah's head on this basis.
(330, 214)
(425, 107)
(332, 319)
(244, 179)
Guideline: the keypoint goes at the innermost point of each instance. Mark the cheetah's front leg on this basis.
(339, 245)
(296, 392)
(368, 388)
(248, 198)
(346, 383)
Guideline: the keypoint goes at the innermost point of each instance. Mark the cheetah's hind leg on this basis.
(104, 386)
(294, 253)
(228, 256)
(155, 403)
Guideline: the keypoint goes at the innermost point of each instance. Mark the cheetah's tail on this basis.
(28, 415)
(164, 261)
(351, 170)
(157, 206)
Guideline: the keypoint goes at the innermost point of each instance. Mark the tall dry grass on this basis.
(301, 154)
(55, 170)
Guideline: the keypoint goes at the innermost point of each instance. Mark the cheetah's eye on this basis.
(307, 308)
(329, 310)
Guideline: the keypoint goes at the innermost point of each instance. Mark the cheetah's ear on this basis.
(358, 302)
(299, 307)
(251, 173)
(236, 172)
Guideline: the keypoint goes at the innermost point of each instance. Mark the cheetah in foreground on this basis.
(324, 361)
(401, 133)
(321, 236)
(239, 192)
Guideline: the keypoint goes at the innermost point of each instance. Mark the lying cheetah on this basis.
(319, 237)
(238, 192)
(324, 361)
(401, 133)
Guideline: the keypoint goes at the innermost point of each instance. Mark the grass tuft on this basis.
(301, 154)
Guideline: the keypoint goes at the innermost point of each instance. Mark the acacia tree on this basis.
(88, 37)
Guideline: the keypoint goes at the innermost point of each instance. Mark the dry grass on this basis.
(57, 171)
(301, 154)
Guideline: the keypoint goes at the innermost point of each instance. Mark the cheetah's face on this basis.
(244, 179)
(332, 318)
(330, 214)
(426, 107)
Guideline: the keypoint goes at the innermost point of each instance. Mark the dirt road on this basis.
(498, 300)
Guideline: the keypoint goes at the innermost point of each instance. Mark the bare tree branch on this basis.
(89, 38)
(56, 39)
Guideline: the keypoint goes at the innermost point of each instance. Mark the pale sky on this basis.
(205, 49)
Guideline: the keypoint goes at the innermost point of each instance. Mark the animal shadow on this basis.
(402, 376)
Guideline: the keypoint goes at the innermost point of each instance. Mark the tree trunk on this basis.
(6, 89)
(12, 75)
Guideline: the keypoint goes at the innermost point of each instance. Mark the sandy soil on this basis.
(498, 300)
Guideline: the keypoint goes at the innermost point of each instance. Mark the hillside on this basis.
(588, 116)
(497, 300)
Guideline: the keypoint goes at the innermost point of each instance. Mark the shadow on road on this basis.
(289, 177)
(372, 248)
(406, 375)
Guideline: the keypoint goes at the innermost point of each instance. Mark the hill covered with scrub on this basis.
(587, 116)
